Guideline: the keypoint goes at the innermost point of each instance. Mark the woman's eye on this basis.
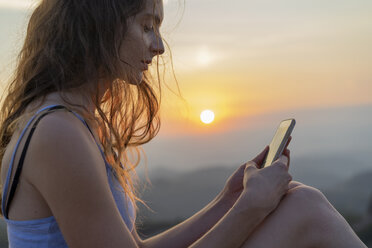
(148, 29)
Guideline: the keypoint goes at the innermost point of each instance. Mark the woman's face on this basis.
(143, 40)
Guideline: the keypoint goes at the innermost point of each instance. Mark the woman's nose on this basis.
(157, 47)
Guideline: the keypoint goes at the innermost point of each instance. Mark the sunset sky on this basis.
(246, 57)
(243, 59)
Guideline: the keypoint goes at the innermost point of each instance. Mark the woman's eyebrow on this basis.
(157, 18)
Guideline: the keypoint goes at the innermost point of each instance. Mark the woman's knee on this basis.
(305, 194)
(310, 202)
(306, 199)
(296, 213)
(315, 215)
(293, 184)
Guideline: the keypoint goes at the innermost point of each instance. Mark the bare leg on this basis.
(304, 218)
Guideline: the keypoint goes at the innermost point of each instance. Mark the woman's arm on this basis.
(235, 226)
(186, 233)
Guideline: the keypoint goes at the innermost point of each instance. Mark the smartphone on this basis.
(279, 141)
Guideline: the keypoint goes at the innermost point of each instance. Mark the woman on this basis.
(82, 92)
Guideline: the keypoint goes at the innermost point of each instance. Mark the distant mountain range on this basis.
(180, 195)
(353, 195)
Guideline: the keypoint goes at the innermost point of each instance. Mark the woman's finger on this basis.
(260, 157)
(289, 141)
(287, 153)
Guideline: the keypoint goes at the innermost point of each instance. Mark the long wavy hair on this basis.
(70, 44)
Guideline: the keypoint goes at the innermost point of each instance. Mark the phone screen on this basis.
(279, 141)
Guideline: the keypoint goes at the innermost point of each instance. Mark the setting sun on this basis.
(204, 57)
(207, 116)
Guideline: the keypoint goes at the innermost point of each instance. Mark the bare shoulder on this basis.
(63, 125)
(60, 139)
(71, 177)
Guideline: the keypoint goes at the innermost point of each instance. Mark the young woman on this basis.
(81, 98)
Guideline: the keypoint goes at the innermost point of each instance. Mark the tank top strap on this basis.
(86, 124)
(5, 204)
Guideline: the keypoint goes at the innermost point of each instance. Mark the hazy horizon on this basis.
(318, 133)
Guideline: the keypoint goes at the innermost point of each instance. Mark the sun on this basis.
(207, 116)
(204, 57)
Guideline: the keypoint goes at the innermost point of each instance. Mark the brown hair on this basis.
(70, 44)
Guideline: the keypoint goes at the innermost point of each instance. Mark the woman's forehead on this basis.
(154, 8)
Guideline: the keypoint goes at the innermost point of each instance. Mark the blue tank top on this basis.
(44, 232)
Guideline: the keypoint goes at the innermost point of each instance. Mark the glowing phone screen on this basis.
(279, 141)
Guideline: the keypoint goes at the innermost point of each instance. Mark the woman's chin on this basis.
(140, 77)
(135, 79)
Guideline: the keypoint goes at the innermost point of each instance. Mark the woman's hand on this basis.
(266, 187)
(234, 185)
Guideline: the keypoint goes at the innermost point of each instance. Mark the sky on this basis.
(253, 63)
(247, 57)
